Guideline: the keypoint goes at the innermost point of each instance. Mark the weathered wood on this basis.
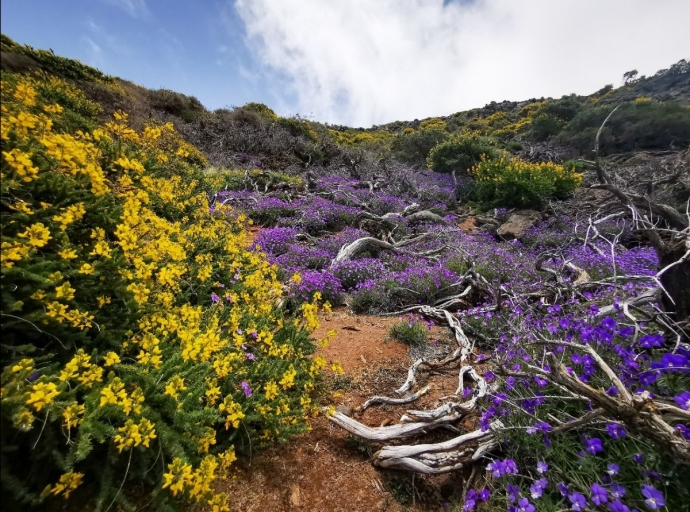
(395, 401)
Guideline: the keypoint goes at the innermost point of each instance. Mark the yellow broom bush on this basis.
(142, 342)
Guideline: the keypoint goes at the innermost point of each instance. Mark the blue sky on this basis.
(360, 62)
(194, 47)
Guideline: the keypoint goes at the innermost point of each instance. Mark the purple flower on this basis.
(612, 391)
(513, 492)
(618, 506)
(599, 494)
(638, 458)
(542, 482)
(247, 390)
(613, 469)
(228, 298)
(542, 467)
(535, 491)
(608, 323)
(578, 501)
(563, 489)
(250, 356)
(594, 446)
(496, 467)
(651, 341)
(673, 363)
(683, 400)
(617, 491)
(525, 506)
(485, 494)
(616, 431)
(469, 505)
(655, 499)
(540, 426)
(215, 298)
(541, 382)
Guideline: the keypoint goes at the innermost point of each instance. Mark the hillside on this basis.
(236, 310)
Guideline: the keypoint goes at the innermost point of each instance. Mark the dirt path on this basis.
(327, 469)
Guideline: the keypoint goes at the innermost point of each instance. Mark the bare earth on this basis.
(327, 469)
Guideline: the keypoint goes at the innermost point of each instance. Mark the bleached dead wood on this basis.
(395, 401)
(366, 244)
(390, 432)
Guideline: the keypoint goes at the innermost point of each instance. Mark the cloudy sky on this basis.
(360, 62)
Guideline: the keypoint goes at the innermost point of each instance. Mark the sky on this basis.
(360, 62)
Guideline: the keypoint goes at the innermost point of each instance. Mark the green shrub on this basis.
(635, 126)
(414, 147)
(460, 153)
(188, 108)
(511, 182)
(261, 109)
(410, 332)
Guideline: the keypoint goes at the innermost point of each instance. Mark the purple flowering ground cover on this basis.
(606, 465)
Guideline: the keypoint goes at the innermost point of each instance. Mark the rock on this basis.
(517, 224)
(345, 409)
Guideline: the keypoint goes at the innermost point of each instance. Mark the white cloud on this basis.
(363, 62)
(135, 8)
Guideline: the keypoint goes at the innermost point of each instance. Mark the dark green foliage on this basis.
(415, 147)
(460, 153)
(635, 126)
(188, 108)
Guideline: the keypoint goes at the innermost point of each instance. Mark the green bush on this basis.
(410, 332)
(414, 147)
(635, 126)
(188, 108)
(460, 153)
(511, 182)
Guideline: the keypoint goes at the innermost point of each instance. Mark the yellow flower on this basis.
(26, 94)
(86, 269)
(68, 482)
(42, 394)
(288, 379)
(174, 386)
(71, 414)
(233, 412)
(68, 254)
(102, 301)
(37, 234)
(271, 390)
(22, 164)
(134, 434)
(178, 475)
(22, 207)
(24, 365)
(65, 291)
(53, 109)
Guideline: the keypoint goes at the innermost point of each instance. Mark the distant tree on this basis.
(629, 77)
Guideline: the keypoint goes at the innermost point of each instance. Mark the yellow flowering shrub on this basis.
(142, 338)
(511, 182)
